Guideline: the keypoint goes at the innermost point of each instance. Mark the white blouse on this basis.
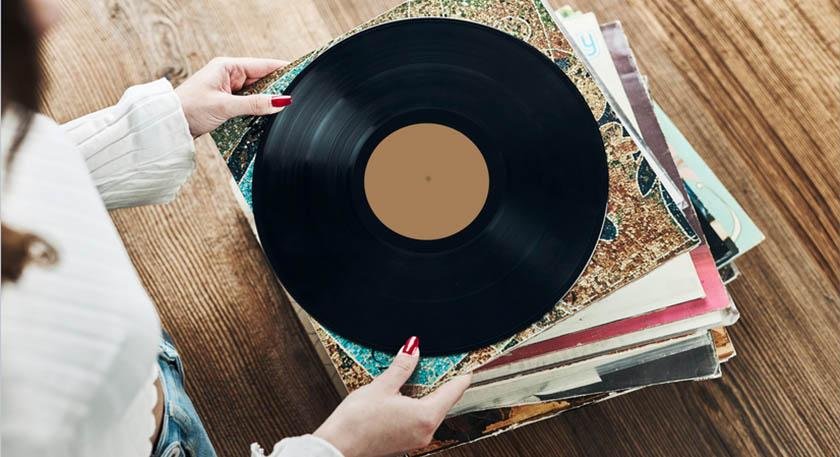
(79, 340)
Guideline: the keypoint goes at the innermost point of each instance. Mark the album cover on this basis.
(535, 385)
(644, 226)
(466, 428)
(715, 197)
(695, 363)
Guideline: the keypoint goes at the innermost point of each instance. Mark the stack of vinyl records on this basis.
(495, 178)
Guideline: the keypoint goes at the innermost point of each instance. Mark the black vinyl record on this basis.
(537, 229)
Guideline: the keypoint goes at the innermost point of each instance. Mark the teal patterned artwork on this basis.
(429, 369)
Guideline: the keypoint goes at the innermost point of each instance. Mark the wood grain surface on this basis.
(754, 86)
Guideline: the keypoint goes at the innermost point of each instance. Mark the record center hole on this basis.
(426, 181)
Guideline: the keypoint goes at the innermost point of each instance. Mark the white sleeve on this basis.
(299, 446)
(139, 151)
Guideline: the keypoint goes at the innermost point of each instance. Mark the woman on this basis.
(84, 368)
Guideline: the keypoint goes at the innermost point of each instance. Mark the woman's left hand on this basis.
(207, 96)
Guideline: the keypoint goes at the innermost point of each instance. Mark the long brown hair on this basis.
(21, 91)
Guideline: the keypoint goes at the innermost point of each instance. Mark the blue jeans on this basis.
(182, 434)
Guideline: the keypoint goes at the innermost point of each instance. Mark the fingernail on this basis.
(411, 345)
(278, 101)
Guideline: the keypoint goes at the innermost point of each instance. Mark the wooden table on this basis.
(754, 85)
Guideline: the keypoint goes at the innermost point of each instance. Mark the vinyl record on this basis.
(433, 177)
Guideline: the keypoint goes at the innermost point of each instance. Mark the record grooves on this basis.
(530, 241)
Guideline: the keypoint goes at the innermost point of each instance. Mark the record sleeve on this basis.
(469, 427)
(734, 221)
(644, 226)
(546, 383)
(694, 359)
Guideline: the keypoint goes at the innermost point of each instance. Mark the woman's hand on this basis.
(376, 420)
(207, 96)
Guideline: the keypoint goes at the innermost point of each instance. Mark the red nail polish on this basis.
(278, 101)
(410, 345)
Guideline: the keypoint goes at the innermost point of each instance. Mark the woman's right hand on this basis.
(376, 420)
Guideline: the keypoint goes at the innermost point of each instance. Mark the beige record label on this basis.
(426, 181)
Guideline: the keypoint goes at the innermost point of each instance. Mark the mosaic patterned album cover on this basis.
(643, 228)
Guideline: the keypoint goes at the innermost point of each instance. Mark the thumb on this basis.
(257, 104)
(447, 395)
(401, 368)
